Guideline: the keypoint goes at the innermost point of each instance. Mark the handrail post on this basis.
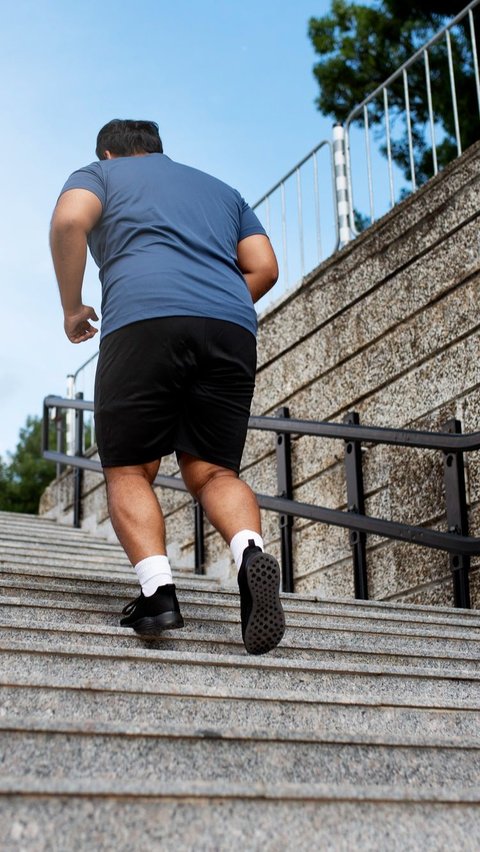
(285, 489)
(342, 201)
(199, 539)
(356, 503)
(457, 516)
(78, 472)
(45, 429)
(70, 415)
(60, 438)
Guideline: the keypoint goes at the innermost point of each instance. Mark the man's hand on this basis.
(77, 326)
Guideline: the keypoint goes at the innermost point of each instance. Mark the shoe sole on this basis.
(266, 622)
(156, 624)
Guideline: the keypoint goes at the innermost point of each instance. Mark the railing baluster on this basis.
(284, 487)
(317, 208)
(409, 130)
(284, 237)
(199, 539)
(389, 146)
(369, 163)
(78, 472)
(454, 93)
(473, 36)
(430, 111)
(457, 516)
(300, 223)
(356, 504)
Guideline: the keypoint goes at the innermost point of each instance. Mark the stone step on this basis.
(206, 639)
(21, 552)
(150, 669)
(222, 604)
(64, 561)
(74, 751)
(75, 815)
(96, 573)
(180, 707)
(368, 637)
(300, 631)
(63, 538)
(25, 528)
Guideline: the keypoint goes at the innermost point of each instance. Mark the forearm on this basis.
(69, 253)
(259, 283)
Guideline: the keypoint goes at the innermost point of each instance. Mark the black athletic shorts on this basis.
(181, 384)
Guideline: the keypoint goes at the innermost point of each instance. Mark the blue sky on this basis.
(230, 85)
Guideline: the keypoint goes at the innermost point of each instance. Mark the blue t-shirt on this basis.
(166, 244)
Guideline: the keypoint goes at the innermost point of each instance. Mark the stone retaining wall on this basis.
(387, 327)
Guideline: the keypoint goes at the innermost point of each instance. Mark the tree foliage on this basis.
(361, 46)
(26, 474)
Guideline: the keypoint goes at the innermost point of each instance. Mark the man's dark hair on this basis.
(124, 138)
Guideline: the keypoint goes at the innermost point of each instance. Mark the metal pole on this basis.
(369, 163)
(284, 236)
(45, 429)
(78, 472)
(409, 130)
(454, 93)
(267, 212)
(475, 55)
(199, 539)
(356, 504)
(457, 516)
(430, 111)
(285, 489)
(300, 223)
(317, 208)
(60, 435)
(70, 416)
(389, 147)
(342, 201)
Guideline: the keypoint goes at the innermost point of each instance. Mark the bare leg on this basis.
(135, 511)
(229, 504)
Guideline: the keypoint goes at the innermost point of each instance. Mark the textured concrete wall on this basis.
(387, 327)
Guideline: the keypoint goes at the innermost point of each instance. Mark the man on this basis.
(182, 259)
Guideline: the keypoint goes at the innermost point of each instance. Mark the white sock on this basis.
(152, 572)
(240, 541)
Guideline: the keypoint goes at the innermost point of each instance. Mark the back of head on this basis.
(124, 138)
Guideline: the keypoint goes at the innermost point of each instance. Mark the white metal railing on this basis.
(459, 33)
(299, 215)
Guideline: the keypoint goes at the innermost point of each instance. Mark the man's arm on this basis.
(258, 263)
(76, 213)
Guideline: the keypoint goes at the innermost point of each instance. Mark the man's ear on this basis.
(108, 155)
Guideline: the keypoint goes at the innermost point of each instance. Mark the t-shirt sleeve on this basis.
(89, 177)
(249, 223)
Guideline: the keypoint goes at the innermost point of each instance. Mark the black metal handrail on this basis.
(456, 542)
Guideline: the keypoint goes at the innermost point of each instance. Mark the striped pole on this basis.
(341, 186)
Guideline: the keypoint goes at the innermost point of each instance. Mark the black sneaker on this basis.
(150, 615)
(263, 621)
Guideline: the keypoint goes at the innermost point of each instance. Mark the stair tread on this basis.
(31, 724)
(151, 787)
(36, 633)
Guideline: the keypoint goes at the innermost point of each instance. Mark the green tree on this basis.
(361, 46)
(26, 474)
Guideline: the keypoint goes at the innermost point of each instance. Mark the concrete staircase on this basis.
(361, 731)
